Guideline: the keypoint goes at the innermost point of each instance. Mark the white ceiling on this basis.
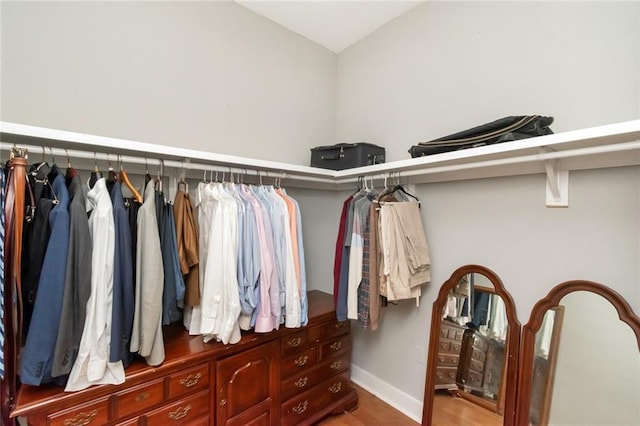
(334, 24)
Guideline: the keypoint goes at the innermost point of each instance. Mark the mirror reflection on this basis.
(586, 365)
(471, 352)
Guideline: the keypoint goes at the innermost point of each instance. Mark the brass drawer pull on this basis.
(180, 413)
(336, 365)
(336, 387)
(301, 382)
(223, 402)
(301, 361)
(295, 341)
(336, 345)
(190, 380)
(142, 396)
(81, 419)
(301, 408)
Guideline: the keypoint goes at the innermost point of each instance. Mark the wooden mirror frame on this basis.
(512, 342)
(552, 300)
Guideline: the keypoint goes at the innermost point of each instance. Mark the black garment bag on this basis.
(506, 129)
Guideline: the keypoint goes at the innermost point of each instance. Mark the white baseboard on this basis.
(393, 396)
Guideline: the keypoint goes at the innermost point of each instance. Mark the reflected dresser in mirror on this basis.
(473, 351)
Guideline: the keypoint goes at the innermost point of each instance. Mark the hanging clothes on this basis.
(220, 299)
(14, 212)
(92, 365)
(146, 337)
(123, 307)
(173, 284)
(36, 233)
(2, 316)
(187, 242)
(38, 353)
(406, 261)
(77, 284)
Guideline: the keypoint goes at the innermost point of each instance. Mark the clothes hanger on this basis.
(125, 179)
(112, 176)
(183, 183)
(71, 172)
(147, 175)
(96, 174)
(159, 176)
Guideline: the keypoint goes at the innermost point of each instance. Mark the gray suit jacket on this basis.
(146, 338)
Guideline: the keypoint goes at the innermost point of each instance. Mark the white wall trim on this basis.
(393, 396)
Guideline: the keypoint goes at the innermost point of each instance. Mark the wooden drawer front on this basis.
(96, 413)
(188, 381)
(139, 398)
(131, 422)
(477, 365)
(311, 377)
(473, 379)
(449, 346)
(330, 329)
(456, 333)
(297, 409)
(299, 362)
(200, 421)
(479, 356)
(450, 360)
(336, 346)
(446, 375)
(181, 412)
(294, 342)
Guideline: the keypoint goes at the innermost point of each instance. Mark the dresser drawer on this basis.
(311, 377)
(95, 413)
(336, 346)
(449, 346)
(477, 365)
(139, 398)
(450, 360)
(299, 362)
(330, 329)
(478, 355)
(184, 411)
(473, 379)
(301, 407)
(446, 375)
(294, 342)
(189, 380)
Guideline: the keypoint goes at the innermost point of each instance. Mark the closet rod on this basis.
(35, 151)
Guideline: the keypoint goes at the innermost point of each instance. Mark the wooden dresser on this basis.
(449, 347)
(289, 376)
(472, 361)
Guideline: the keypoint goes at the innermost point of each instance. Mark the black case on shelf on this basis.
(346, 155)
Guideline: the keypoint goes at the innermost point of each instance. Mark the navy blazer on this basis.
(123, 288)
(37, 358)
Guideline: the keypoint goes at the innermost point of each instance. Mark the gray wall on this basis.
(445, 66)
(204, 75)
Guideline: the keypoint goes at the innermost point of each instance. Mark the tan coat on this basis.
(146, 338)
(187, 238)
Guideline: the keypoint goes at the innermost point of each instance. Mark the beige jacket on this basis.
(146, 338)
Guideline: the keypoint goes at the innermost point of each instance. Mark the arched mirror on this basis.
(580, 359)
(473, 350)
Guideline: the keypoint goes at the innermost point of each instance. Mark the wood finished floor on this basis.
(371, 411)
(449, 411)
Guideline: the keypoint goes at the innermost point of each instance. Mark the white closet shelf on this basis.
(612, 145)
